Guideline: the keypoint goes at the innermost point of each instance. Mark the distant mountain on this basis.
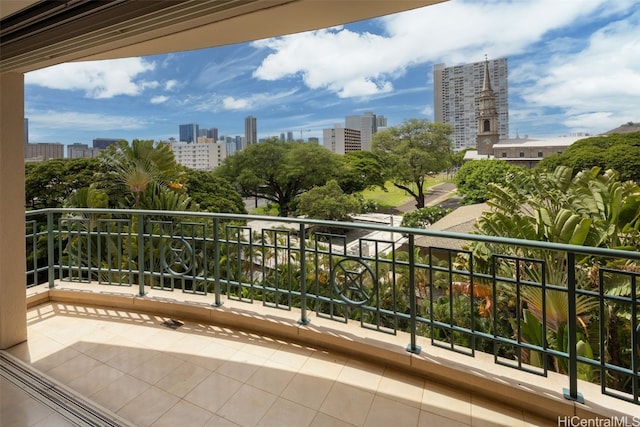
(625, 128)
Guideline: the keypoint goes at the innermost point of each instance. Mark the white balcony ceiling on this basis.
(36, 34)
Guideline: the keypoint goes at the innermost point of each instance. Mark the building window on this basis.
(504, 154)
(522, 154)
(486, 126)
(539, 153)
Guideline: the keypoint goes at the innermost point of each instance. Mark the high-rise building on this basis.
(456, 93)
(250, 131)
(289, 136)
(78, 150)
(341, 140)
(39, 151)
(206, 154)
(367, 125)
(213, 134)
(189, 132)
(103, 143)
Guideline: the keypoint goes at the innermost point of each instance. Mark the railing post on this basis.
(141, 291)
(50, 251)
(572, 392)
(304, 320)
(413, 347)
(216, 265)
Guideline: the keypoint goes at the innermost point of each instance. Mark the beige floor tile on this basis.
(386, 412)
(183, 379)
(97, 378)
(213, 392)
(488, 413)
(447, 402)
(128, 358)
(429, 419)
(102, 351)
(348, 403)
(307, 390)
(262, 347)
(183, 414)
(361, 374)
(272, 377)
(148, 407)
(35, 349)
(241, 366)
(218, 421)
(54, 420)
(247, 406)
(287, 413)
(22, 411)
(323, 365)
(55, 359)
(402, 387)
(156, 368)
(73, 368)
(120, 392)
(324, 420)
(293, 355)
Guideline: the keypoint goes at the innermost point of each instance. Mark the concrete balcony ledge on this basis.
(542, 396)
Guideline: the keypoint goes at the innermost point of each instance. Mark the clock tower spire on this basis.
(488, 134)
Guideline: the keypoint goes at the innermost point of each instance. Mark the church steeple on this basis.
(488, 134)
(486, 83)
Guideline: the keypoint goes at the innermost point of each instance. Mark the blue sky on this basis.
(574, 66)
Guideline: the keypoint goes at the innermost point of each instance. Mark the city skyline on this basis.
(575, 71)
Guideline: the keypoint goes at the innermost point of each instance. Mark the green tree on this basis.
(473, 178)
(278, 171)
(328, 202)
(212, 193)
(414, 151)
(424, 217)
(49, 183)
(132, 168)
(360, 170)
(620, 152)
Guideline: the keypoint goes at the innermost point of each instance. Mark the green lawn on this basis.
(394, 197)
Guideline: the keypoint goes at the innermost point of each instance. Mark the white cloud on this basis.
(598, 87)
(98, 79)
(84, 121)
(159, 99)
(586, 78)
(231, 103)
(170, 84)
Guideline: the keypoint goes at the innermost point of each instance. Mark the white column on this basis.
(13, 309)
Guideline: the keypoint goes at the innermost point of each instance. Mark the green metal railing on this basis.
(535, 306)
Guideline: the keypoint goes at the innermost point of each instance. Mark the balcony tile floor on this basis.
(205, 375)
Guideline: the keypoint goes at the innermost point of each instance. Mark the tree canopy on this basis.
(328, 202)
(49, 183)
(360, 170)
(278, 171)
(212, 193)
(474, 176)
(414, 151)
(620, 152)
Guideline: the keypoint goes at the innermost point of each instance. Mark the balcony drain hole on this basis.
(172, 323)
